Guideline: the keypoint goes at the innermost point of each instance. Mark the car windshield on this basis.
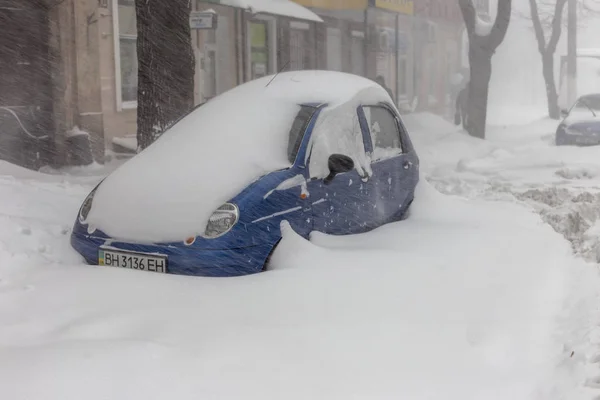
(297, 131)
(588, 103)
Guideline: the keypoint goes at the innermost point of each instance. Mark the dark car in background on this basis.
(581, 124)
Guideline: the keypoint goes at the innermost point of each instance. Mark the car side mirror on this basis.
(338, 164)
(564, 113)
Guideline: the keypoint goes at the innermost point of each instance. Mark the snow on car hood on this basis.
(167, 192)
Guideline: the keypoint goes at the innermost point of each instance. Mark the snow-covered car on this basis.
(324, 151)
(581, 125)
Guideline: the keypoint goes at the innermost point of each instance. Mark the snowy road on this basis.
(474, 297)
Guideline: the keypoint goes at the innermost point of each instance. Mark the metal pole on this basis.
(572, 52)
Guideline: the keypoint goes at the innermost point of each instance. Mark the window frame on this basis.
(120, 104)
(402, 134)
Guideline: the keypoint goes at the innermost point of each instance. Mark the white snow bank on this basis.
(458, 302)
(76, 131)
(127, 142)
(168, 191)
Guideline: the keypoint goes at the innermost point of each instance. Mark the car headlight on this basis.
(221, 221)
(573, 132)
(86, 206)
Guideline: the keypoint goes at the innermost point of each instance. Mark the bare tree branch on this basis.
(469, 15)
(537, 26)
(501, 24)
(556, 25)
(547, 9)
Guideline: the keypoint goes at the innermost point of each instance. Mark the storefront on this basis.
(249, 43)
(368, 38)
(232, 46)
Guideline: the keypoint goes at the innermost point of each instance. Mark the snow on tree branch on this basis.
(494, 31)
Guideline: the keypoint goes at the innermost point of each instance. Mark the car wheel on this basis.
(560, 141)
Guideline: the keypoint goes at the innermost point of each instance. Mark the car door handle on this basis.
(407, 165)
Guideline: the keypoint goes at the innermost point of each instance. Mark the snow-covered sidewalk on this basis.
(467, 299)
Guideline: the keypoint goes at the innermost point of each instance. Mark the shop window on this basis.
(299, 46)
(259, 49)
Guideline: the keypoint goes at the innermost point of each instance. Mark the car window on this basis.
(297, 131)
(384, 131)
(336, 134)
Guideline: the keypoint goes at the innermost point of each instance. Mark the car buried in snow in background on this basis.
(323, 151)
(581, 125)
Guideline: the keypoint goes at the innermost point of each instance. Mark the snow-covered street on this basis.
(478, 295)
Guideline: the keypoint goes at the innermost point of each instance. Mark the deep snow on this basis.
(467, 299)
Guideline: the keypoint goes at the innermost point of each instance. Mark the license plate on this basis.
(132, 260)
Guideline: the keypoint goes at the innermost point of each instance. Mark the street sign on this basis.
(203, 20)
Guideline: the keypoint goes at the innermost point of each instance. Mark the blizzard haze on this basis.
(486, 288)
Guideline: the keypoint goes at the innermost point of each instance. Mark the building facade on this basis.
(371, 38)
(240, 45)
(49, 79)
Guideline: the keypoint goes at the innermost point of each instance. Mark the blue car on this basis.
(322, 151)
(581, 125)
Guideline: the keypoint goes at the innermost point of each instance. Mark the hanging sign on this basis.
(203, 20)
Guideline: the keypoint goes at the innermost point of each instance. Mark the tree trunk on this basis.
(551, 93)
(547, 50)
(165, 66)
(481, 50)
(480, 60)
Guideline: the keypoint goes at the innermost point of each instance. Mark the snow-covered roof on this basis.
(286, 8)
(168, 191)
(305, 87)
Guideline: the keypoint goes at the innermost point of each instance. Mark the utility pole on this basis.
(572, 52)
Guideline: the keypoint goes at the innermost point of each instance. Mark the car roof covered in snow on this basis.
(312, 87)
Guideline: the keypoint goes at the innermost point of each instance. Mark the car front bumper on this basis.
(185, 260)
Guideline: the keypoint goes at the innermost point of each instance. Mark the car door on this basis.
(341, 206)
(392, 163)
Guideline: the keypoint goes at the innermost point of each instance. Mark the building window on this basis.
(299, 46)
(126, 61)
(259, 49)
